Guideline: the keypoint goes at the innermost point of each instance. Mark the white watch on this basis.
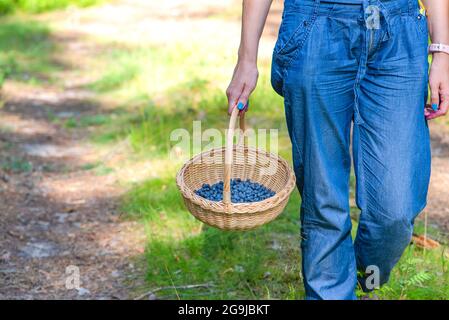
(439, 47)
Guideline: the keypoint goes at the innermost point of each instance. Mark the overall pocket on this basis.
(295, 27)
(418, 40)
(293, 32)
(421, 22)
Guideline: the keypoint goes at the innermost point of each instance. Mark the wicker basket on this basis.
(247, 163)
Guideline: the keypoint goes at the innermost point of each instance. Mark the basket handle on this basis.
(228, 151)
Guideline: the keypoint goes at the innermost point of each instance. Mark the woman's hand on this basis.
(244, 79)
(243, 83)
(439, 86)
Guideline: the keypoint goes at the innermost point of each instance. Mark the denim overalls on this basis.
(362, 66)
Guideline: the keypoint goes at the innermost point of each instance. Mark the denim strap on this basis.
(411, 7)
(317, 6)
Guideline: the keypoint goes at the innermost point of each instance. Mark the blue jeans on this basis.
(360, 66)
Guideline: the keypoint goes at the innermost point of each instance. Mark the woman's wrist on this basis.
(247, 60)
(247, 53)
(442, 59)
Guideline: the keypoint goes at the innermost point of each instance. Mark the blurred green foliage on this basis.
(7, 67)
(36, 6)
(25, 51)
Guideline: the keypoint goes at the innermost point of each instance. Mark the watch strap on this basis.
(438, 47)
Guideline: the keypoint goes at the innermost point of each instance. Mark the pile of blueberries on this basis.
(241, 191)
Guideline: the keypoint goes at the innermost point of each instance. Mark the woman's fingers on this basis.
(433, 110)
(243, 83)
(427, 111)
(233, 93)
(238, 96)
(439, 96)
(444, 106)
(246, 107)
(442, 109)
(244, 98)
(435, 95)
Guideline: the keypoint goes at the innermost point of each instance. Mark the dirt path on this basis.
(57, 218)
(56, 214)
(438, 199)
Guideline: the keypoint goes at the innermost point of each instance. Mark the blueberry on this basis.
(241, 191)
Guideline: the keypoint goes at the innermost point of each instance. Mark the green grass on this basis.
(16, 165)
(420, 275)
(165, 88)
(124, 70)
(37, 6)
(238, 265)
(26, 51)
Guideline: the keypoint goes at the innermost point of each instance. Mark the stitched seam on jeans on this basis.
(293, 138)
(298, 29)
(361, 171)
(297, 148)
(299, 46)
(363, 60)
(375, 50)
(282, 49)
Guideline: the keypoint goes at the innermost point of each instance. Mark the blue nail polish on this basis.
(240, 106)
(434, 106)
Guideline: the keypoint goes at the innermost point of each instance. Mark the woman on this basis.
(359, 63)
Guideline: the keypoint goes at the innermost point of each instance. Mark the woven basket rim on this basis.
(237, 208)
